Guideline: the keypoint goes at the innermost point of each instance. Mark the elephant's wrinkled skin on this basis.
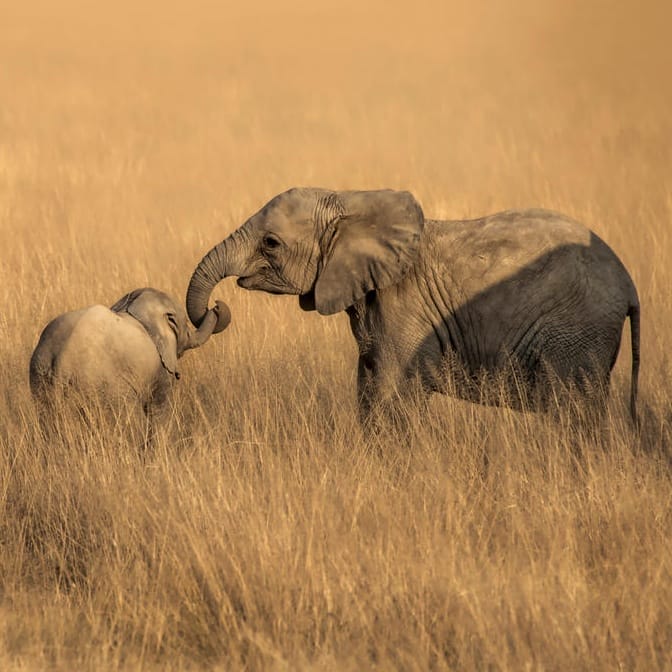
(529, 294)
(128, 351)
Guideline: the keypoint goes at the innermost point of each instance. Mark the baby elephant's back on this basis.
(95, 350)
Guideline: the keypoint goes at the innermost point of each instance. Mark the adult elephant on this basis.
(530, 296)
(126, 352)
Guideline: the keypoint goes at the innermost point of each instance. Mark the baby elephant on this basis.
(128, 351)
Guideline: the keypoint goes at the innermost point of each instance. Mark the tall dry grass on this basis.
(261, 531)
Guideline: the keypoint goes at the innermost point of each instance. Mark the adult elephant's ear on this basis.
(374, 243)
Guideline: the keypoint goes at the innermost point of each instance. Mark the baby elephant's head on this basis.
(167, 324)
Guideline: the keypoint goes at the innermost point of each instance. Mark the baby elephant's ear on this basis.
(166, 343)
(150, 309)
(375, 243)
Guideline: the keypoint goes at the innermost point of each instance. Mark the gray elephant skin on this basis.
(128, 351)
(530, 296)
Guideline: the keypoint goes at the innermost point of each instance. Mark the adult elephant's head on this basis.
(328, 247)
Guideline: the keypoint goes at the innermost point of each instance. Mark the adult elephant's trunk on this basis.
(222, 261)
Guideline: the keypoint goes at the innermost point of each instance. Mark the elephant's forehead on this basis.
(289, 204)
(157, 296)
(166, 303)
(286, 219)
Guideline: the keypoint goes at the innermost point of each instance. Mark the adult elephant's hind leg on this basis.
(577, 368)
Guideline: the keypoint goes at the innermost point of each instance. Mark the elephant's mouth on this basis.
(254, 282)
(260, 284)
(268, 280)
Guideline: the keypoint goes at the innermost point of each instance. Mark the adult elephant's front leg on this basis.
(368, 394)
(386, 399)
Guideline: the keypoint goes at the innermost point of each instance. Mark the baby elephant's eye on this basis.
(271, 241)
(172, 321)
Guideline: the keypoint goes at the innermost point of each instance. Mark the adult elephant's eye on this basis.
(271, 241)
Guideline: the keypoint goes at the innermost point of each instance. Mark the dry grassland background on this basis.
(262, 531)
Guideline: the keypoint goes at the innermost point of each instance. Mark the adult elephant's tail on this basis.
(633, 314)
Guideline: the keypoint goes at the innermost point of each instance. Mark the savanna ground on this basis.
(263, 531)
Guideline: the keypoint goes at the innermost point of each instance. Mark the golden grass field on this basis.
(262, 531)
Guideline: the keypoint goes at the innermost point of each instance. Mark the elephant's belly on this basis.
(578, 358)
(492, 386)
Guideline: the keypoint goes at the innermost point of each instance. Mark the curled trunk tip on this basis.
(223, 316)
